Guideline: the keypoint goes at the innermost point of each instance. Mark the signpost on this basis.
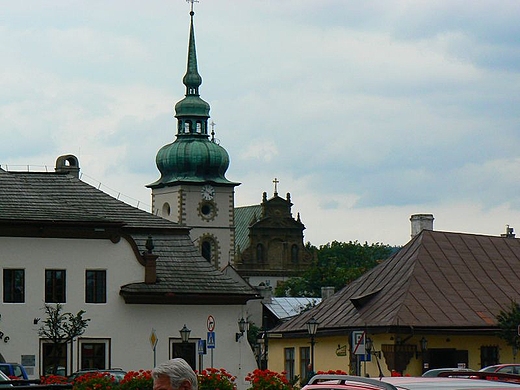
(211, 336)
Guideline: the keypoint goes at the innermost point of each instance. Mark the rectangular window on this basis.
(96, 286)
(54, 358)
(14, 285)
(289, 363)
(55, 286)
(305, 361)
(93, 354)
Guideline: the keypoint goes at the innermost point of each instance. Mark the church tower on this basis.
(193, 190)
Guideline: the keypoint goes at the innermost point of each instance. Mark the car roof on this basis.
(429, 383)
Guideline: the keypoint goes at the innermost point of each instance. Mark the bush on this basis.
(213, 378)
(137, 380)
(53, 380)
(94, 381)
(267, 380)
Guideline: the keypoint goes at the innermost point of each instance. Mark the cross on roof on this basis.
(191, 5)
(276, 181)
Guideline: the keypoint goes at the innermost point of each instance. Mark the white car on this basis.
(4, 378)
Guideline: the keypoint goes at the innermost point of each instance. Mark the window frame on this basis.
(54, 292)
(96, 290)
(10, 294)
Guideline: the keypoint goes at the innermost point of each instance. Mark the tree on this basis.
(60, 328)
(508, 323)
(336, 265)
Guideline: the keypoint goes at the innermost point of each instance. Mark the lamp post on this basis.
(242, 327)
(185, 334)
(312, 328)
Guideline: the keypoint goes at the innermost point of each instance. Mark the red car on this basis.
(512, 368)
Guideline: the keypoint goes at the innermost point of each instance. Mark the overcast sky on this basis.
(366, 111)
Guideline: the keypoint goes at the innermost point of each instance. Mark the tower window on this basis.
(260, 253)
(186, 127)
(166, 210)
(199, 127)
(206, 250)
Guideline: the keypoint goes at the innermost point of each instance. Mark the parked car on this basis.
(3, 379)
(437, 371)
(14, 370)
(512, 368)
(347, 382)
(116, 373)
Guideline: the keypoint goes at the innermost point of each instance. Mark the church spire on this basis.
(192, 79)
(192, 157)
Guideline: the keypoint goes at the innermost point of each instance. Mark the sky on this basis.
(365, 111)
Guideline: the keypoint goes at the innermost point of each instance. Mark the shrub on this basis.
(137, 380)
(54, 380)
(213, 378)
(94, 381)
(267, 380)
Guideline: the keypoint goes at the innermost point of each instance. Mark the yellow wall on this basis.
(326, 358)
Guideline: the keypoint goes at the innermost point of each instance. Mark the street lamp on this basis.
(185, 334)
(312, 328)
(242, 327)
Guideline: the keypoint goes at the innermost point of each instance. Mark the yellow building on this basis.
(431, 305)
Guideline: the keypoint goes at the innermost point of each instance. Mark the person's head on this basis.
(175, 374)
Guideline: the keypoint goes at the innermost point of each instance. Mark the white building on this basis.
(134, 273)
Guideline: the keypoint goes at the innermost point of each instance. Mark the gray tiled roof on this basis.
(40, 196)
(243, 217)
(61, 198)
(438, 280)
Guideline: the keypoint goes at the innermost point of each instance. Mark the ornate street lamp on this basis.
(185, 334)
(312, 328)
(242, 327)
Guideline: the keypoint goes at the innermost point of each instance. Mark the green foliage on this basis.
(336, 264)
(59, 328)
(508, 322)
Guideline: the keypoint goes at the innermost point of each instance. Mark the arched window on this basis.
(260, 253)
(199, 127)
(294, 253)
(206, 250)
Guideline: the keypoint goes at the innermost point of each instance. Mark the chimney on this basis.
(509, 232)
(327, 292)
(421, 222)
(150, 268)
(68, 164)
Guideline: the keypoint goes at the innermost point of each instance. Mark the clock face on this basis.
(207, 192)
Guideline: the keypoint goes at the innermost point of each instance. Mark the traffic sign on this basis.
(153, 339)
(358, 342)
(211, 323)
(201, 347)
(211, 340)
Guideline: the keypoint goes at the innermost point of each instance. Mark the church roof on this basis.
(192, 157)
(439, 280)
(244, 216)
(33, 203)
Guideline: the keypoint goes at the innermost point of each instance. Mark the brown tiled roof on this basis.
(34, 200)
(439, 280)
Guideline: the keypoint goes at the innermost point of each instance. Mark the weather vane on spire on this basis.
(192, 1)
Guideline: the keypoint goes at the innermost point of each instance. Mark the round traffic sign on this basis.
(211, 323)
